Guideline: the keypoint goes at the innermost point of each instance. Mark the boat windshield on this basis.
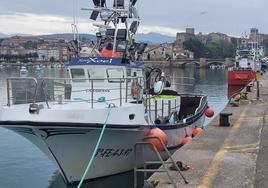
(115, 74)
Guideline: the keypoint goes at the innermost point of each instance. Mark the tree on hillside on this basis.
(30, 45)
(52, 59)
(1, 40)
(235, 41)
(219, 49)
(195, 46)
(43, 57)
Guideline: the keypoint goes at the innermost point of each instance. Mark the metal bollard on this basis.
(224, 119)
(248, 89)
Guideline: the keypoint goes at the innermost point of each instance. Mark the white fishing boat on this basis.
(110, 91)
(39, 67)
(23, 71)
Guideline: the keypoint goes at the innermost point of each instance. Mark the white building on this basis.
(48, 54)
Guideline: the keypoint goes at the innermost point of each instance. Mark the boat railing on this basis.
(175, 81)
(181, 81)
(26, 96)
(3, 90)
(242, 69)
(160, 110)
(31, 90)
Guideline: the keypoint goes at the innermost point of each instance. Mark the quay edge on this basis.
(232, 156)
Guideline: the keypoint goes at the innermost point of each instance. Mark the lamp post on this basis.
(258, 85)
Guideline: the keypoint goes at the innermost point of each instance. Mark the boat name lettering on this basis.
(95, 60)
(99, 90)
(108, 153)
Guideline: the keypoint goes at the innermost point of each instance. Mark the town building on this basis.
(254, 34)
(182, 37)
(44, 48)
(204, 38)
(217, 37)
(181, 53)
(165, 52)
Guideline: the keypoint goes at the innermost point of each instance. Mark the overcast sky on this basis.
(232, 17)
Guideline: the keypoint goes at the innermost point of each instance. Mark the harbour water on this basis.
(23, 165)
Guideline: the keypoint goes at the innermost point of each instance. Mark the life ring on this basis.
(134, 91)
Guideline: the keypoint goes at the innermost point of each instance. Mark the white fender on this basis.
(158, 87)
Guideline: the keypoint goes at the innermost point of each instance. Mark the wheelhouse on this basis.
(105, 77)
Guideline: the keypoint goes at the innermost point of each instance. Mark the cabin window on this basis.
(96, 73)
(115, 75)
(78, 75)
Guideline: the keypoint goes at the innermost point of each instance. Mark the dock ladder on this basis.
(160, 161)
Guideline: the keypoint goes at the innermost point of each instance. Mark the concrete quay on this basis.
(228, 157)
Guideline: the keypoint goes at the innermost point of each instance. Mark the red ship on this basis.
(246, 65)
(240, 77)
(234, 90)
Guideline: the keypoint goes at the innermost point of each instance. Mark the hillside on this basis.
(153, 38)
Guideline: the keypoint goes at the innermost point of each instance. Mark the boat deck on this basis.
(75, 105)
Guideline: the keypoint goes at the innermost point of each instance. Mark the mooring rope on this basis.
(110, 106)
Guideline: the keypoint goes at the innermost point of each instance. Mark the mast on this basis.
(114, 18)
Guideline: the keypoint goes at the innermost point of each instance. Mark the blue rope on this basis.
(96, 147)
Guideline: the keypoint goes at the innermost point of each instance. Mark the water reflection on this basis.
(124, 180)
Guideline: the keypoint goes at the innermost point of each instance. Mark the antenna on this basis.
(75, 42)
(74, 13)
(98, 4)
(75, 23)
(133, 2)
(116, 16)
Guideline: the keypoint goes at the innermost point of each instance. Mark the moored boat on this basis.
(23, 71)
(109, 89)
(246, 65)
(240, 76)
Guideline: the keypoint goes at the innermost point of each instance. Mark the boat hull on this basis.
(234, 90)
(240, 77)
(70, 148)
(67, 133)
